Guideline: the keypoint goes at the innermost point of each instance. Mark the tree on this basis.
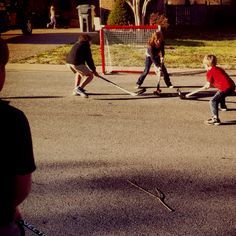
(139, 14)
(118, 15)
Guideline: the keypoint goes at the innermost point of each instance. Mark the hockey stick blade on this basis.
(181, 96)
(140, 91)
(117, 86)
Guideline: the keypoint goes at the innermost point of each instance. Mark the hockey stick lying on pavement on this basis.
(31, 227)
(160, 195)
(126, 91)
(183, 96)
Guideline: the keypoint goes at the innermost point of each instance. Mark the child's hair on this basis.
(210, 60)
(156, 38)
(4, 52)
(84, 38)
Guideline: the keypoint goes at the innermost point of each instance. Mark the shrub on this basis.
(119, 14)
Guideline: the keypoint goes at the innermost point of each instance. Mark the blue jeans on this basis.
(219, 98)
(148, 63)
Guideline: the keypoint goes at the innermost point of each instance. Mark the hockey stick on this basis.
(183, 96)
(31, 227)
(195, 91)
(160, 195)
(99, 76)
(126, 91)
(140, 91)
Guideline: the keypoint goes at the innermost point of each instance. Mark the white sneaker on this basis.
(80, 91)
(171, 86)
(213, 121)
(74, 92)
(137, 86)
(223, 108)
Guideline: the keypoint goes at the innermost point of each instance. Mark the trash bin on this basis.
(85, 17)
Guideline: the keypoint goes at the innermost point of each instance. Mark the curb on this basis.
(64, 68)
(38, 67)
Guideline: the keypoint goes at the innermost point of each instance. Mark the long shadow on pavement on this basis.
(104, 203)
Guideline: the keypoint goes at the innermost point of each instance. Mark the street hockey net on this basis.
(123, 48)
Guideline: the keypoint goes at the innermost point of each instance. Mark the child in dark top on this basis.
(17, 160)
(155, 54)
(216, 77)
(78, 57)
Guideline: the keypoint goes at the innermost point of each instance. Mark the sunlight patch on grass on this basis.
(180, 53)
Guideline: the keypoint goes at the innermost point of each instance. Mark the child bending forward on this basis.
(80, 61)
(216, 77)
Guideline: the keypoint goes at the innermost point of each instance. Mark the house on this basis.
(179, 12)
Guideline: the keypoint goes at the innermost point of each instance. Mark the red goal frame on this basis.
(102, 43)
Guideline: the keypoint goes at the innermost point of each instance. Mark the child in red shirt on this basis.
(219, 79)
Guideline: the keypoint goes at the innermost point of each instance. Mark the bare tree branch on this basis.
(144, 9)
(135, 5)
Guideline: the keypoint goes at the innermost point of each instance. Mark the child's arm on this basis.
(207, 85)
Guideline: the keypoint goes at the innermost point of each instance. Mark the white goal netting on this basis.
(123, 48)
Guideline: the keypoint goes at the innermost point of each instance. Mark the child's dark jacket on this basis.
(81, 54)
(155, 53)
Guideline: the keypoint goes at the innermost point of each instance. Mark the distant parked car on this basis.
(15, 14)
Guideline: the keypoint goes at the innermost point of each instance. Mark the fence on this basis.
(201, 15)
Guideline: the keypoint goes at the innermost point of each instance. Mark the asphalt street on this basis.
(91, 153)
(88, 149)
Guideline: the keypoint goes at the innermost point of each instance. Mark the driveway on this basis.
(23, 46)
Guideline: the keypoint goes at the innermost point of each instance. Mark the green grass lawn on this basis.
(180, 53)
(189, 53)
